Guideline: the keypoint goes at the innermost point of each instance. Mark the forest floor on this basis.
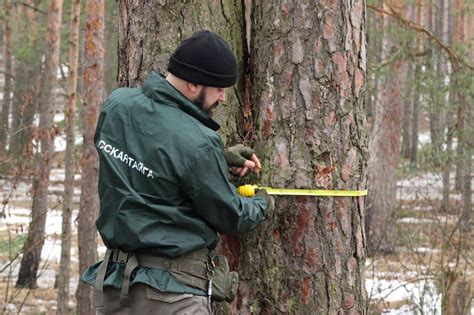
(405, 281)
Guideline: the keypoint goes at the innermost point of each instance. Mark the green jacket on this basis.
(163, 181)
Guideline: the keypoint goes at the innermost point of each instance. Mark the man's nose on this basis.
(222, 97)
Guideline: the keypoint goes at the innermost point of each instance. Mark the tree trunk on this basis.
(304, 113)
(36, 234)
(374, 27)
(28, 83)
(385, 152)
(308, 83)
(459, 39)
(139, 53)
(408, 113)
(448, 161)
(69, 113)
(416, 92)
(409, 90)
(450, 117)
(7, 88)
(436, 104)
(457, 299)
(93, 98)
(468, 143)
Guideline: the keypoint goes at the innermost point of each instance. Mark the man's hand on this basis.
(243, 158)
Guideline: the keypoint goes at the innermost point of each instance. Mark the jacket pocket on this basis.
(167, 297)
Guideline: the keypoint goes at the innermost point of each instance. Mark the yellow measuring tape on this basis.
(250, 190)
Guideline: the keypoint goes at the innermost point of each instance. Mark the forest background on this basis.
(408, 88)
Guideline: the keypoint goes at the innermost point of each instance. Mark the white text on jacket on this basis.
(125, 158)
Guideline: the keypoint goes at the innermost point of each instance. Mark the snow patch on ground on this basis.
(58, 117)
(416, 221)
(60, 143)
(59, 174)
(424, 138)
(427, 186)
(422, 294)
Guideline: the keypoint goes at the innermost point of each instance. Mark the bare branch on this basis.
(453, 57)
(30, 7)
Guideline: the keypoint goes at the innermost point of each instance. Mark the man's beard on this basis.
(201, 98)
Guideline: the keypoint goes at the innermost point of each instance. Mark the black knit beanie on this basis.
(204, 58)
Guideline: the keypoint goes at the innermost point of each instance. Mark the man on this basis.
(164, 188)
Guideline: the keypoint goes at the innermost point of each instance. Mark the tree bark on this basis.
(308, 82)
(374, 27)
(36, 234)
(140, 52)
(69, 113)
(304, 113)
(408, 113)
(468, 143)
(28, 84)
(437, 102)
(448, 161)
(416, 92)
(7, 88)
(385, 152)
(450, 116)
(458, 40)
(94, 90)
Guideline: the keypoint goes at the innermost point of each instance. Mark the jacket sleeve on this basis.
(215, 199)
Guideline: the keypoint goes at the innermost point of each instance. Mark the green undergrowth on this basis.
(11, 246)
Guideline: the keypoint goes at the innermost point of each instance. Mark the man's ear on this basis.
(194, 88)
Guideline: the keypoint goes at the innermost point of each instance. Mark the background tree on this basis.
(464, 92)
(29, 49)
(69, 113)
(385, 144)
(459, 38)
(416, 93)
(93, 99)
(300, 102)
(7, 88)
(36, 233)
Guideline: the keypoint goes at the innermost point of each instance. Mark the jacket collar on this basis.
(160, 90)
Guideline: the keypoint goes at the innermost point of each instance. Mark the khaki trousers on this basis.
(147, 300)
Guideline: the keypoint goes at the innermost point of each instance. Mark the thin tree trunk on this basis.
(93, 97)
(408, 114)
(385, 149)
(466, 213)
(468, 143)
(457, 298)
(409, 88)
(374, 23)
(435, 104)
(69, 113)
(36, 234)
(416, 92)
(447, 167)
(448, 161)
(459, 39)
(27, 85)
(7, 88)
